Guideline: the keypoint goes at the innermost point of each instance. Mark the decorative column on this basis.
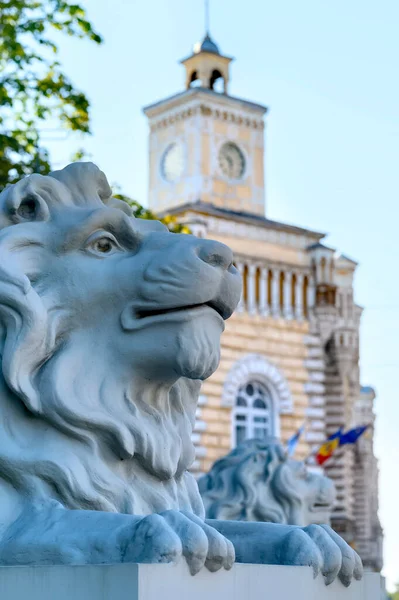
(241, 304)
(341, 303)
(349, 304)
(276, 292)
(252, 289)
(311, 294)
(288, 295)
(263, 295)
(299, 297)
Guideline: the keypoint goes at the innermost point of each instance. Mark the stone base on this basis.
(173, 582)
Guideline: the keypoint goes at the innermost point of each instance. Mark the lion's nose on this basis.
(215, 254)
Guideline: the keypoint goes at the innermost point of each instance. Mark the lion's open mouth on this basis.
(143, 314)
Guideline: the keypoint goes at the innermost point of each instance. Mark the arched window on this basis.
(194, 81)
(216, 82)
(257, 393)
(253, 412)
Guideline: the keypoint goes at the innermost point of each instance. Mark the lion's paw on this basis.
(324, 550)
(202, 544)
(351, 564)
(165, 537)
(149, 540)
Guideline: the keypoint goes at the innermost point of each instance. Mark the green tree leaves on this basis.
(33, 86)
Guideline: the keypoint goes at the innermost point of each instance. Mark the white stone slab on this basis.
(173, 582)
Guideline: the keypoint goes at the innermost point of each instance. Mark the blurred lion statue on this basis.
(108, 325)
(258, 482)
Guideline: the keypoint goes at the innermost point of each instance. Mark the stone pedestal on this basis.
(173, 582)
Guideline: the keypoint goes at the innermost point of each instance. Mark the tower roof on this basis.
(207, 45)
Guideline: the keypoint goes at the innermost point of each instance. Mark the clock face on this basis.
(172, 164)
(231, 161)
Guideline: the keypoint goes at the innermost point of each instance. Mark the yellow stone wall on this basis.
(282, 343)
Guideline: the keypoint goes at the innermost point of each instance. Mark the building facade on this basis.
(290, 353)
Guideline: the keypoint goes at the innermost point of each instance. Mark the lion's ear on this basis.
(23, 321)
(25, 201)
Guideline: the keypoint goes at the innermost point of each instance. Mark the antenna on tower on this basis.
(207, 17)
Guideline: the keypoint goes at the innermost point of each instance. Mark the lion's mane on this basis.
(82, 417)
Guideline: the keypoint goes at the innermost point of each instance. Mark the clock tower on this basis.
(206, 145)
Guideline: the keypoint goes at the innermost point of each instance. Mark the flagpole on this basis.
(293, 441)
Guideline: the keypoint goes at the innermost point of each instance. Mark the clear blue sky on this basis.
(329, 73)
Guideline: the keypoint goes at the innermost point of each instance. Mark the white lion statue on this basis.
(257, 481)
(108, 324)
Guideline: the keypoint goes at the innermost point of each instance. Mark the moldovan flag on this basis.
(328, 448)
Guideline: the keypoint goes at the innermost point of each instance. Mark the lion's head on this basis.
(107, 326)
(258, 482)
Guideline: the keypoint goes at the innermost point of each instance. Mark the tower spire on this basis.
(206, 17)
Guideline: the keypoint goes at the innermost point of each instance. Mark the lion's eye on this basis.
(101, 244)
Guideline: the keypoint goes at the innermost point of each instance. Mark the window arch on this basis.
(194, 80)
(253, 412)
(272, 389)
(216, 81)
